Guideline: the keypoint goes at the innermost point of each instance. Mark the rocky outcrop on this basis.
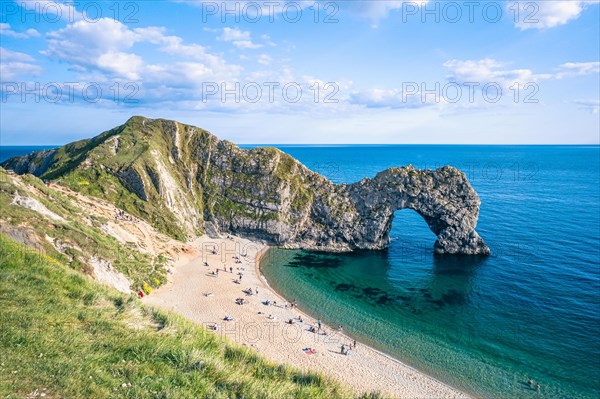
(187, 180)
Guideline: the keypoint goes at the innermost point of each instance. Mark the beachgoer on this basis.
(230, 269)
(354, 346)
(256, 290)
(343, 349)
(537, 386)
(319, 324)
(529, 382)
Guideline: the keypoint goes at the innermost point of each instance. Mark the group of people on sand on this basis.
(318, 328)
(236, 259)
(240, 301)
(345, 349)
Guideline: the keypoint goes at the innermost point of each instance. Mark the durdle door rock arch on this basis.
(185, 181)
(360, 215)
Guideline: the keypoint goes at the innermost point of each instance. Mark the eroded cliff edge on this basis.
(185, 181)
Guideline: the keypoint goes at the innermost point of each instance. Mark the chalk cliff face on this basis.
(185, 181)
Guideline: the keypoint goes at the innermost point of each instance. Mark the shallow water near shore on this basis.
(482, 324)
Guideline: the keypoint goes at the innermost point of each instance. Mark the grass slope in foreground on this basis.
(66, 336)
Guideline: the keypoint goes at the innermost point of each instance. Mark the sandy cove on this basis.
(206, 298)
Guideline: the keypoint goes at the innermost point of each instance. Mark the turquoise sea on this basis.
(484, 325)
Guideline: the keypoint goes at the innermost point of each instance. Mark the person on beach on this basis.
(343, 349)
(217, 272)
(256, 290)
(354, 345)
(230, 269)
(319, 324)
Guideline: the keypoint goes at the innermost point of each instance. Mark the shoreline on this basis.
(362, 344)
(197, 293)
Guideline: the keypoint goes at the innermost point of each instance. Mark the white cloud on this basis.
(548, 13)
(239, 38)
(390, 98)
(490, 71)
(121, 64)
(100, 45)
(6, 30)
(106, 45)
(104, 52)
(15, 64)
(592, 106)
(577, 69)
(265, 59)
(374, 11)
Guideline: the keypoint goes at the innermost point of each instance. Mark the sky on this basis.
(306, 72)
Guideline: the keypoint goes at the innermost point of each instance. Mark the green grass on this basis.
(66, 336)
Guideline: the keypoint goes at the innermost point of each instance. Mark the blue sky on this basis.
(304, 71)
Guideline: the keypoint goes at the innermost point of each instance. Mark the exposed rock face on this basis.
(187, 181)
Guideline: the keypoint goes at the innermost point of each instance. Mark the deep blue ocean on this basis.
(483, 325)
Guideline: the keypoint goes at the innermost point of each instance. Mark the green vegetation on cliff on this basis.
(79, 236)
(183, 180)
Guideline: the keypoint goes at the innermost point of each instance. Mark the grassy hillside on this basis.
(79, 232)
(177, 176)
(63, 335)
